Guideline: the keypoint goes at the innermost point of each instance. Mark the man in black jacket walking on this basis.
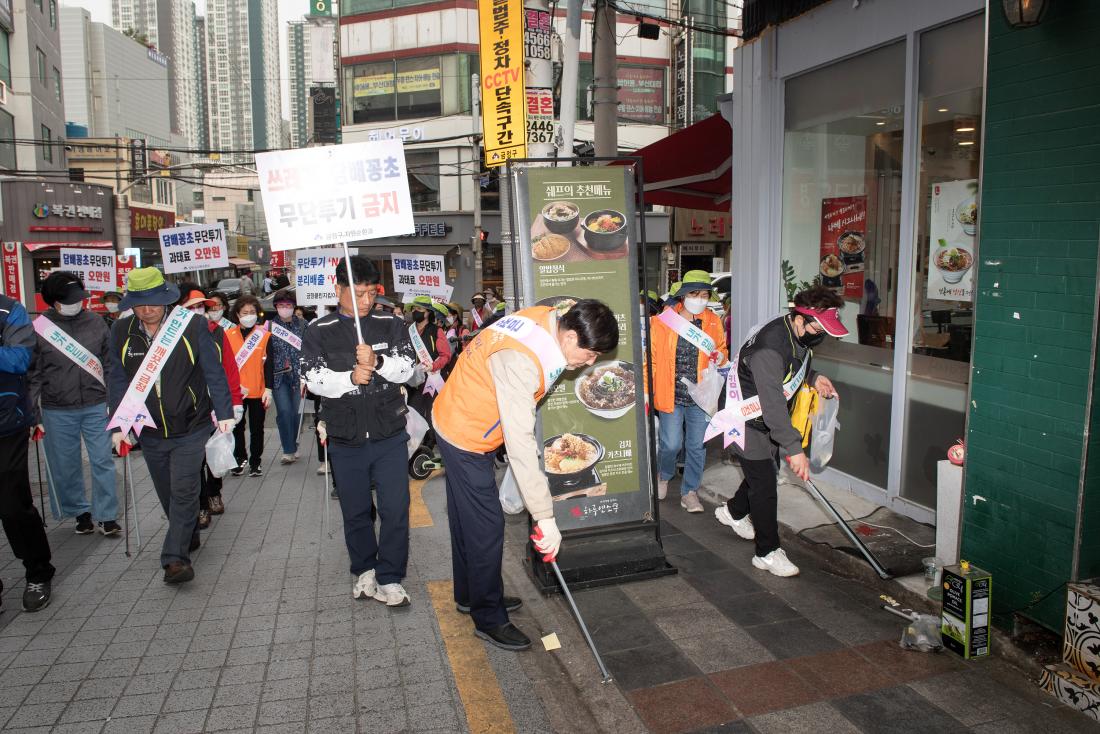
(190, 385)
(364, 417)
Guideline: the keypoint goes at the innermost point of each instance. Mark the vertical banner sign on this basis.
(95, 267)
(953, 222)
(194, 247)
(843, 240)
(315, 275)
(500, 24)
(578, 236)
(335, 193)
(13, 271)
(124, 264)
(540, 115)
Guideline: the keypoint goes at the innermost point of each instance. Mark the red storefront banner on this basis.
(279, 259)
(147, 223)
(642, 93)
(124, 264)
(843, 241)
(13, 271)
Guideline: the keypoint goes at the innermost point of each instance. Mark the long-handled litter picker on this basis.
(36, 437)
(552, 560)
(859, 544)
(129, 499)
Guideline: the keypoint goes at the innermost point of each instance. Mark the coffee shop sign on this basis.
(428, 229)
(69, 211)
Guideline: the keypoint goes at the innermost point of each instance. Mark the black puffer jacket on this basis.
(58, 381)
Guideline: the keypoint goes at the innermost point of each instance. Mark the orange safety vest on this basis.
(252, 371)
(662, 353)
(466, 409)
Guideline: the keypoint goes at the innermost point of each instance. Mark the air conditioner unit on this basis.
(3, 92)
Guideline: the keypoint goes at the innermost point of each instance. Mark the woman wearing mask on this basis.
(423, 315)
(111, 299)
(210, 488)
(682, 422)
(285, 355)
(774, 359)
(219, 312)
(249, 343)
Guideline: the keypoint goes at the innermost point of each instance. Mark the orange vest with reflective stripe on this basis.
(252, 371)
(466, 409)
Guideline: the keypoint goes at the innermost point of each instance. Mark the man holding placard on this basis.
(175, 380)
(364, 417)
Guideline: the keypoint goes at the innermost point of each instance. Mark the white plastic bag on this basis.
(219, 453)
(510, 501)
(417, 428)
(825, 426)
(707, 391)
(418, 376)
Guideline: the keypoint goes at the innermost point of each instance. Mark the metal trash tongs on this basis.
(572, 605)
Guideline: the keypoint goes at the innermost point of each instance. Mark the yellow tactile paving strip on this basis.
(419, 517)
(482, 699)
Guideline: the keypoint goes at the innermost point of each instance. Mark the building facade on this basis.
(298, 58)
(94, 57)
(202, 108)
(31, 103)
(242, 68)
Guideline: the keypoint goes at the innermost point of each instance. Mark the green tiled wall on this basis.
(1036, 298)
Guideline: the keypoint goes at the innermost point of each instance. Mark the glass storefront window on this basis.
(409, 89)
(842, 155)
(7, 140)
(370, 88)
(423, 167)
(950, 107)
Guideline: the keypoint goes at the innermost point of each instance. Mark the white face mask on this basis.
(285, 313)
(695, 305)
(215, 315)
(70, 309)
(450, 320)
(248, 321)
(111, 306)
(200, 310)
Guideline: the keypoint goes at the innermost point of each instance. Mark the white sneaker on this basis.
(776, 562)
(322, 469)
(394, 595)
(742, 527)
(690, 502)
(662, 489)
(288, 458)
(365, 586)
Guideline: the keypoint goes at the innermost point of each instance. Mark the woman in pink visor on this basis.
(772, 364)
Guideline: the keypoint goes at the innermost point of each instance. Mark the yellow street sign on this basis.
(503, 97)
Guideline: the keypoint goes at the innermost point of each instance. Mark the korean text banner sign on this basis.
(335, 193)
(95, 267)
(419, 275)
(843, 240)
(578, 239)
(503, 96)
(193, 247)
(953, 216)
(315, 275)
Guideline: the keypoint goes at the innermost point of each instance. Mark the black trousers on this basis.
(22, 523)
(211, 487)
(757, 496)
(385, 464)
(477, 534)
(254, 415)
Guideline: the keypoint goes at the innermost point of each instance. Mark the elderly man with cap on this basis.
(284, 352)
(772, 364)
(165, 376)
(489, 401)
(687, 338)
(69, 391)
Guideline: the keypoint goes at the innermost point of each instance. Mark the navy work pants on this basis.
(385, 464)
(477, 534)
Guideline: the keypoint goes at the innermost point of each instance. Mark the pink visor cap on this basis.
(829, 318)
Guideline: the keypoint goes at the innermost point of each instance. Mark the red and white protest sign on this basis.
(193, 247)
(95, 267)
(13, 271)
(124, 266)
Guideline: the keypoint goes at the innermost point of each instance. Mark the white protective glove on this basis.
(265, 399)
(116, 440)
(238, 413)
(550, 543)
(227, 425)
(322, 432)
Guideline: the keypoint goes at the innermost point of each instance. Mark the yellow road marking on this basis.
(419, 517)
(486, 711)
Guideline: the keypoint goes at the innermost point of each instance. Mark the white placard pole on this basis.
(351, 284)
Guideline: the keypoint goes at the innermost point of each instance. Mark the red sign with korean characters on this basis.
(642, 94)
(843, 241)
(13, 271)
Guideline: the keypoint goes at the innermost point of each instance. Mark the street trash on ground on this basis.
(551, 642)
(922, 634)
(219, 453)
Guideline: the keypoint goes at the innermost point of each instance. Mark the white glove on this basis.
(418, 376)
(238, 413)
(265, 399)
(116, 440)
(322, 431)
(550, 543)
(227, 425)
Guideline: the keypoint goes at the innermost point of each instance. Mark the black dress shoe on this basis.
(511, 604)
(195, 543)
(178, 572)
(506, 636)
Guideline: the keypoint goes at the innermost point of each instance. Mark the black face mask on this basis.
(419, 316)
(809, 340)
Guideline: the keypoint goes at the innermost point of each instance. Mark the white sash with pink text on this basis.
(433, 383)
(250, 345)
(70, 347)
(286, 335)
(687, 331)
(538, 340)
(132, 413)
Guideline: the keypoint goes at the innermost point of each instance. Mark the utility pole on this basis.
(121, 206)
(571, 58)
(605, 90)
(475, 159)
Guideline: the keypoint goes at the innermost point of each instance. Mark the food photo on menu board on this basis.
(953, 224)
(580, 224)
(843, 245)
